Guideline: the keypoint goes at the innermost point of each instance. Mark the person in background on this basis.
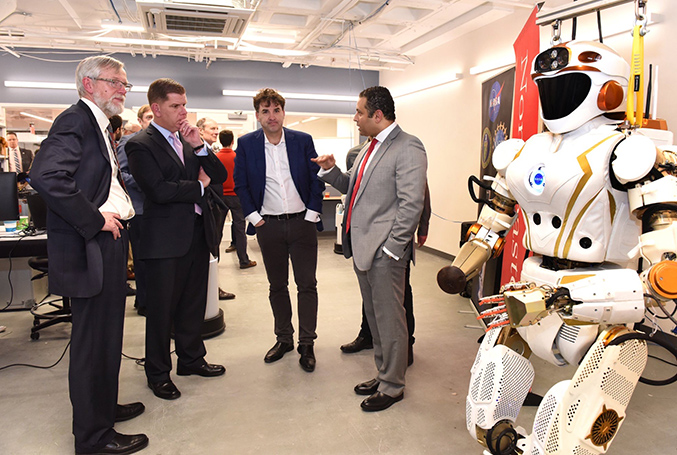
(281, 196)
(209, 132)
(227, 157)
(19, 159)
(173, 167)
(385, 191)
(130, 128)
(137, 269)
(116, 127)
(77, 176)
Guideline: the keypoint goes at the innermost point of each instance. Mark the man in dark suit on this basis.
(281, 198)
(17, 156)
(77, 176)
(384, 192)
(173, 170)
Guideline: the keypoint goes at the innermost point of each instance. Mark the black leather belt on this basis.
(285, 216)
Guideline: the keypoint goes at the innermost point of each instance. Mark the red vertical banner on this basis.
(524, 125)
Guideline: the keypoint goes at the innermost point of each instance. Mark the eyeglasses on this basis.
(115, 83)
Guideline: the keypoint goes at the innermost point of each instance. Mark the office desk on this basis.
(24, 292)
(26, 246)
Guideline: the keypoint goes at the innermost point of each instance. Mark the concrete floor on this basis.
(259, 408)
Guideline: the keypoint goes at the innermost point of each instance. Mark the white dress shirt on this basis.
(118, 200)
(280, 195)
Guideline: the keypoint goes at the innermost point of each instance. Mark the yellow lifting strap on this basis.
(636, 82)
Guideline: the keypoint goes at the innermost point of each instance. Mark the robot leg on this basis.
(581, 416)
(499, 383)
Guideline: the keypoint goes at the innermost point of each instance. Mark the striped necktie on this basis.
(17, 160)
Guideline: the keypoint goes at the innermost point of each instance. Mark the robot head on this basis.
(577, 82)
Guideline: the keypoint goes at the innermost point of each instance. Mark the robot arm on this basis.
(651, 176)
(485, 238)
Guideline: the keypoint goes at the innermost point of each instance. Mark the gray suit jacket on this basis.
(389, 201)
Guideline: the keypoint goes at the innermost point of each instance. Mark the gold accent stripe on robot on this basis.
(573, 278)
(526, 237)
(612, 205)
(520, 152)
(587, 174)
(570, 237)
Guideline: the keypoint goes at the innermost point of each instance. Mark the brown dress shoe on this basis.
(250, 264)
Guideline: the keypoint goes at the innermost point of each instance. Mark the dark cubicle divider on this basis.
(9, 197)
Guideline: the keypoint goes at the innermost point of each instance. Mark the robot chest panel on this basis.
(564, 192)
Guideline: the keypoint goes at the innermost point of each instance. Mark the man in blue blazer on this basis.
(281, 198)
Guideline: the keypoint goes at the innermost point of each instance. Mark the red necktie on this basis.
(357, 182)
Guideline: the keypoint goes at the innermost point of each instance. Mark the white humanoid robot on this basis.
(594, 198)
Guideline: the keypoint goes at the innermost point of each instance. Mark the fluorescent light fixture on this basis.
(51, 85)
(479, 69)
(59, 85)
(26, 114)
(299, 96)
(453, 77)
(146, 42)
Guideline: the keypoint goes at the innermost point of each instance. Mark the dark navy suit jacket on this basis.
(72, 173)
(250, 171)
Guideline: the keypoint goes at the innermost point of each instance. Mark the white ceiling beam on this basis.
(71, 12)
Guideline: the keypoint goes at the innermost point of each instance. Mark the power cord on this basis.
(38, 366)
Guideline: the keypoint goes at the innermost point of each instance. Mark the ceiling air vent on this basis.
(173, 18)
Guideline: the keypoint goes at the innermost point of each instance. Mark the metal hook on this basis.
(556, 37)
(641, 17)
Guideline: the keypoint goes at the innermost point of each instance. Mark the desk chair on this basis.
(62, 312)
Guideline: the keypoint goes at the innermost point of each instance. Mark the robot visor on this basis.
(561, 95)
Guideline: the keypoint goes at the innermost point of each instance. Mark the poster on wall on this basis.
(497, 96)
(525, 124)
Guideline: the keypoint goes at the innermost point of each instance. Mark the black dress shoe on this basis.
(357, 345)
(380, 401)
(128, 411)
(223, 295)
(165, 390)
(307, 359)
(367, 388)
(206, 370)
(278, 351)
(130, 290)
(121, 444)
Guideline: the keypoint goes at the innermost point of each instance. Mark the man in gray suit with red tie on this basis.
(384, 199)
(76, 173)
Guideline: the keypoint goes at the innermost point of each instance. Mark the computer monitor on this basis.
(38, 210)
(9, 197)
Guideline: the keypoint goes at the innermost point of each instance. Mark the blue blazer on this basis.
(250, 171)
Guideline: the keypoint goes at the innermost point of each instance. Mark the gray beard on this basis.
(108, 107)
